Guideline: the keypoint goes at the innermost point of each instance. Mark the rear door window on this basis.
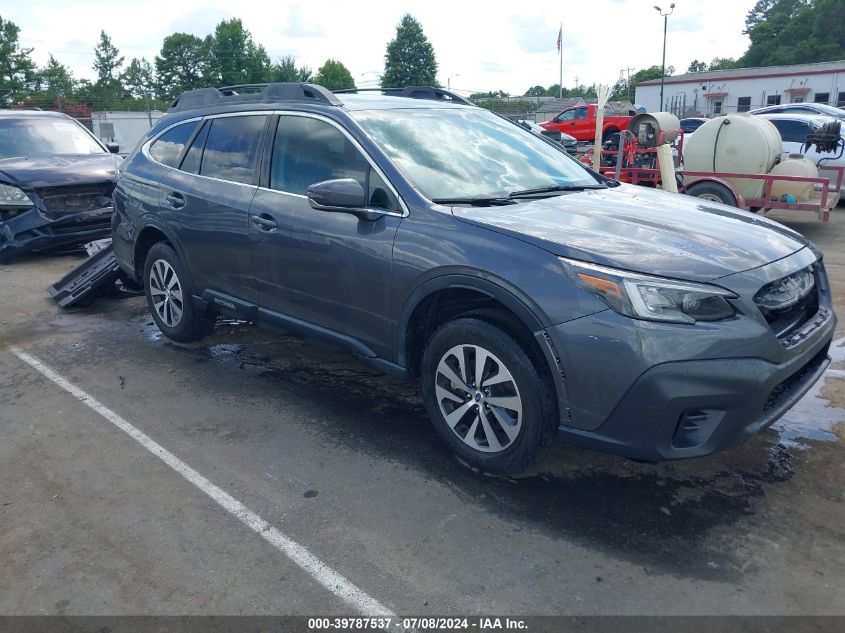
(167, 149)
(232, 148)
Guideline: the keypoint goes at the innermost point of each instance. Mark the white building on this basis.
(123, 128)
(718, 92)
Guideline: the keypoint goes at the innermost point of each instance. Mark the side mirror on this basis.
(344, 195)
(114, 148)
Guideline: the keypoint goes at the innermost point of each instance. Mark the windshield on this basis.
(36, 137)
(469, 153)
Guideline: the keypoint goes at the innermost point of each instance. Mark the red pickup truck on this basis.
(580, 122)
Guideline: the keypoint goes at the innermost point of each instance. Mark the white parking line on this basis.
(313, 566)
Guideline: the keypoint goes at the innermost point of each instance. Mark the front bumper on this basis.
(656, 391)
(695, 408)
(35, 231)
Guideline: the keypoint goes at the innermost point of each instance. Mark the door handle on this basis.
(175, 200)
(264, 222)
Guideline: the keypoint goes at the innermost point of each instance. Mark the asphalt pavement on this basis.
(255, 474)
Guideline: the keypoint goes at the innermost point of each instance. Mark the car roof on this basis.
(377, 101)
(18, 114)
(694, 118)
(797, 116)
(803, 104)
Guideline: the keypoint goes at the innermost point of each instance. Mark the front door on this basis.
(329, 269)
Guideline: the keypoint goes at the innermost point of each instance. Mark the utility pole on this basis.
(628, 70)
(663, 66)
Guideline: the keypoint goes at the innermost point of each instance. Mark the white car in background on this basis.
(811, 109)
(793, 130)
(691, 124)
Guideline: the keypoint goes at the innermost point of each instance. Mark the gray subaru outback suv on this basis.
(531, 297)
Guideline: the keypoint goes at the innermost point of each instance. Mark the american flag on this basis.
(559, 38)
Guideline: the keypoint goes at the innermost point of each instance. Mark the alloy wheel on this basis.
(479, 398)
(166, 293)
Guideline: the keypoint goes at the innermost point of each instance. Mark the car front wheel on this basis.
(486, 398)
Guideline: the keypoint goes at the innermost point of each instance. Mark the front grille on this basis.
(790, 302)
(76, 199)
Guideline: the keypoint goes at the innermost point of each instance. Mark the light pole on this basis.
(663, 66)
(449, 80)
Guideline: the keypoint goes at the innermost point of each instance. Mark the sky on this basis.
(480, 46)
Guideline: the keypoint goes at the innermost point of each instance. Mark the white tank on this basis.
(738, 143)
(795, 165)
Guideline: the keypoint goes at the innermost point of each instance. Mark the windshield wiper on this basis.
(479, 201)
(494, 201)
(554, 189)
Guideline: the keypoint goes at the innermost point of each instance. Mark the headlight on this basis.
(651, 298)
(13, 197)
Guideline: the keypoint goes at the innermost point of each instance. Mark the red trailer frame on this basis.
(823, 199)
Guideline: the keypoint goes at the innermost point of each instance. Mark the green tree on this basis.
(535, 91)
(409, 60)
(697, 66)
(107, 63)
(237, 58)
(56, 79)
(794, 32)
(17, 70)
(723, 63)
(286, 70)
(647, 74)
(138, 78)
(184, 63)
(334, 76)
(497, 94)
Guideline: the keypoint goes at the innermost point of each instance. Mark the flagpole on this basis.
(560, 51)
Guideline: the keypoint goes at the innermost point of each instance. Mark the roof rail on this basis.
(252, 93)
(414, 92)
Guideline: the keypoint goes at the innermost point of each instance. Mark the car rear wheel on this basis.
(486, 398)
(169, 290)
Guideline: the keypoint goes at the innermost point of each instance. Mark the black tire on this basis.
(537, 421)
(192, 324)
(713, 192)
(608, 135)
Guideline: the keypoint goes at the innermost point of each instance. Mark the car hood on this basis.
(54, 171)
(643, 230)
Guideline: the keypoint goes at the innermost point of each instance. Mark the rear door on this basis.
(206, 201)
(328, 269)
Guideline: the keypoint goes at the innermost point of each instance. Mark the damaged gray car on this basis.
(56, 182)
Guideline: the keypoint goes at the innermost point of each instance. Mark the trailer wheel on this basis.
(712, 191)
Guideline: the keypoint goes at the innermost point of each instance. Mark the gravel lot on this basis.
(344, 463)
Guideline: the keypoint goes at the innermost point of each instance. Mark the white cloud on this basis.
(494, 45)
